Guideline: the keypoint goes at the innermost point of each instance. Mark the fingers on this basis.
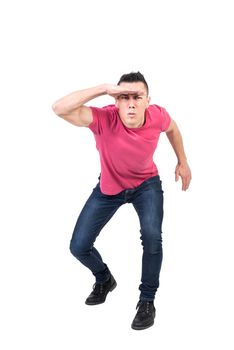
(177, 173)
(140, 92)
(117, 90)
(127, 93)
(185, 173)
(131, 91)
(185, 182)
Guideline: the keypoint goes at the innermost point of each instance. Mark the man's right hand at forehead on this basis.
(117, 90)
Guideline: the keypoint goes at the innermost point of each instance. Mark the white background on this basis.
(48, 168)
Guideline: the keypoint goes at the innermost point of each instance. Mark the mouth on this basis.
(131, 115)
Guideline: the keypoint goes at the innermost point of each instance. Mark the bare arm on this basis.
(72, 107)
(182, 168)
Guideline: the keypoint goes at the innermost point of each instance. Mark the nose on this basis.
(131, 102)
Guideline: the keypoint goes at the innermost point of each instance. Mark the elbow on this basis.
(57, 110)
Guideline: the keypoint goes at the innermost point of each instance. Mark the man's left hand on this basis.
(183, 171)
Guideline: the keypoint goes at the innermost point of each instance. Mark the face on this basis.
(132, 106)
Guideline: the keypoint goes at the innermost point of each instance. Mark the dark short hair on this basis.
(134, 77)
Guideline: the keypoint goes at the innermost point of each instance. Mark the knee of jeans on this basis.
(77, 248)
(151, 241)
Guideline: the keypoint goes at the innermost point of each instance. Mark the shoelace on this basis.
(143, 306)
(147, 307)
(98, 288)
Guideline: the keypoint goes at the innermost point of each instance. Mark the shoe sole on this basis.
(141, 328)
(114, 285)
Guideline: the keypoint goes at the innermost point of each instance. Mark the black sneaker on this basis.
(145, 315)
(100, 291)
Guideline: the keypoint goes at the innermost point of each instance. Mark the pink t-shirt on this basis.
(126, 154)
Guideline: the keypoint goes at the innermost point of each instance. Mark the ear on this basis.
(116, 103)
(148, 100)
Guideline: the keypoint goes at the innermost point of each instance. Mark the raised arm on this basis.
(182, 168)
(72, 107)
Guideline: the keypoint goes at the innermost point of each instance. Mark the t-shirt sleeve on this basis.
(165, 119)
(103, 119)
(98, 115)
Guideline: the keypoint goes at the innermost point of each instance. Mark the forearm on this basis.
(76, 99)
(175, 138)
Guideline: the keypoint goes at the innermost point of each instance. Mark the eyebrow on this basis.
(134, 95)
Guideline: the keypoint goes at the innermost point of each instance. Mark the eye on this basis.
(124, 97)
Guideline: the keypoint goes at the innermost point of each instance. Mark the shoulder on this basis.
(103, 118)
(156, 109)
(160, 116)
(99, 111)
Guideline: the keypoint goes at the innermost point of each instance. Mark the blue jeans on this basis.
(147, 200)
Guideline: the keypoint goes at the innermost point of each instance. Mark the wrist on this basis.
(182, 161)
(104, 88)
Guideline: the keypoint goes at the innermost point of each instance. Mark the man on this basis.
(126, 136)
